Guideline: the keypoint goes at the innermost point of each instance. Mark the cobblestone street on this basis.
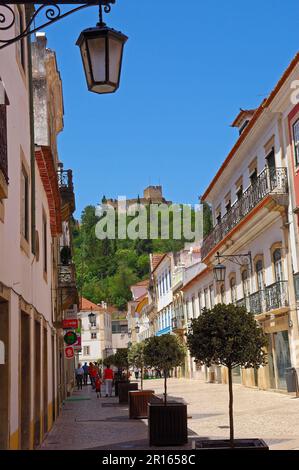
(91, 423)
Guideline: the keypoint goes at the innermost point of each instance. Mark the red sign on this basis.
(70, 323)
(69, 352)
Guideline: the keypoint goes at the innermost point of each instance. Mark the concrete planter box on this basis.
(138, 403)
(124, 389)
(167, 424)
(240, 444)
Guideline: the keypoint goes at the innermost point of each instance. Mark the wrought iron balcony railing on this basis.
(66, 275)
(257, 302)
(276, 295)
(269, 181)
(65, 179)
(271, 298)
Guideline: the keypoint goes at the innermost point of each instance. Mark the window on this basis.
(239, 192)
(199, 303)
(259, 269)
(206, 295)
(20, 45)
(277, 259)
(271, 160)
(296, 141)
(86, 350)
(45, 244)
(245, 283)
(93, 336)
(253, 177)
(3, 140)
(193, 307)
(222, 294)
(24, 204)
(233, 290)
(211, 295)
(228, 205)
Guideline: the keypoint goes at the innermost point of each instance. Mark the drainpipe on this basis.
(293, 317)
(28, 14)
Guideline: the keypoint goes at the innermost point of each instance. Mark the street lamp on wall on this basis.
(91, 318)
(219, 269)
(102, 51)
(101, 47)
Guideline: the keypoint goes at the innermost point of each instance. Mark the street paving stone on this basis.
(95, 424)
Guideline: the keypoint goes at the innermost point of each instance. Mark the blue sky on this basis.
(188, 67)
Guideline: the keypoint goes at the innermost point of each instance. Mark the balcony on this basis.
(66, 275)
(270, 181)
(271, 298)
(66, 187)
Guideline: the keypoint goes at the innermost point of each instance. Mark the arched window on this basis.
(222, 294)
(259, 269)
(233, 290)
(245, 283)
(277, 259)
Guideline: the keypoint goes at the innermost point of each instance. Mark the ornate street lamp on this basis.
(92, 318)
(101, 47)
(240, 259)
(219, 272)
(102, 51)
(137, 329)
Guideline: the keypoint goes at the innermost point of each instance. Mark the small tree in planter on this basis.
(136, 358)
(229, 336)
(121, 361)
(138, 399)
(167, 421)
(108, 360)
(164, 353)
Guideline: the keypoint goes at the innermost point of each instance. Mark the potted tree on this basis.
(138, 399)
(123, 385)
(228, 336)
(167, 420)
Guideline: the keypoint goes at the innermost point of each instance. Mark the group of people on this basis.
(97, 379)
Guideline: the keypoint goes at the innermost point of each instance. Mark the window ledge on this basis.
(24, 244)
(3, 187)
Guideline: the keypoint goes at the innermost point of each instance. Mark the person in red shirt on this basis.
(108, 377)
(98, 384)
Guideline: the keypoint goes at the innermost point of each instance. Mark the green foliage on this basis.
(136, 355)
(164, 352)
(107, 268)
(207, 219)
(227, 335)
(108, 361)
(120, 359)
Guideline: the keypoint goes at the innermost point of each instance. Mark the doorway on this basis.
(45, 380)
(4, 376)
(37, 383)
(25, 373)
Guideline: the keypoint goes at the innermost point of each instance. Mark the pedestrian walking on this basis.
(92, 374)
(136, 372)
(108, 378)
(85, 376)
(98, 384)
(79, 373)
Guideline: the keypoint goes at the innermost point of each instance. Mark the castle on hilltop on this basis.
(151, 195)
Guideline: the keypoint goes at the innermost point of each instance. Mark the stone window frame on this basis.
(256, 259)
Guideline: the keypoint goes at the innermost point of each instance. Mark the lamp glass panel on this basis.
(115, 53)
(97, 53)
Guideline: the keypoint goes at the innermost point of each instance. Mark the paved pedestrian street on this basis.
(90, 423)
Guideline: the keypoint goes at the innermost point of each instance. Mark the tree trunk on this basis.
(165, 387)
(141, 378)
(231, 403)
